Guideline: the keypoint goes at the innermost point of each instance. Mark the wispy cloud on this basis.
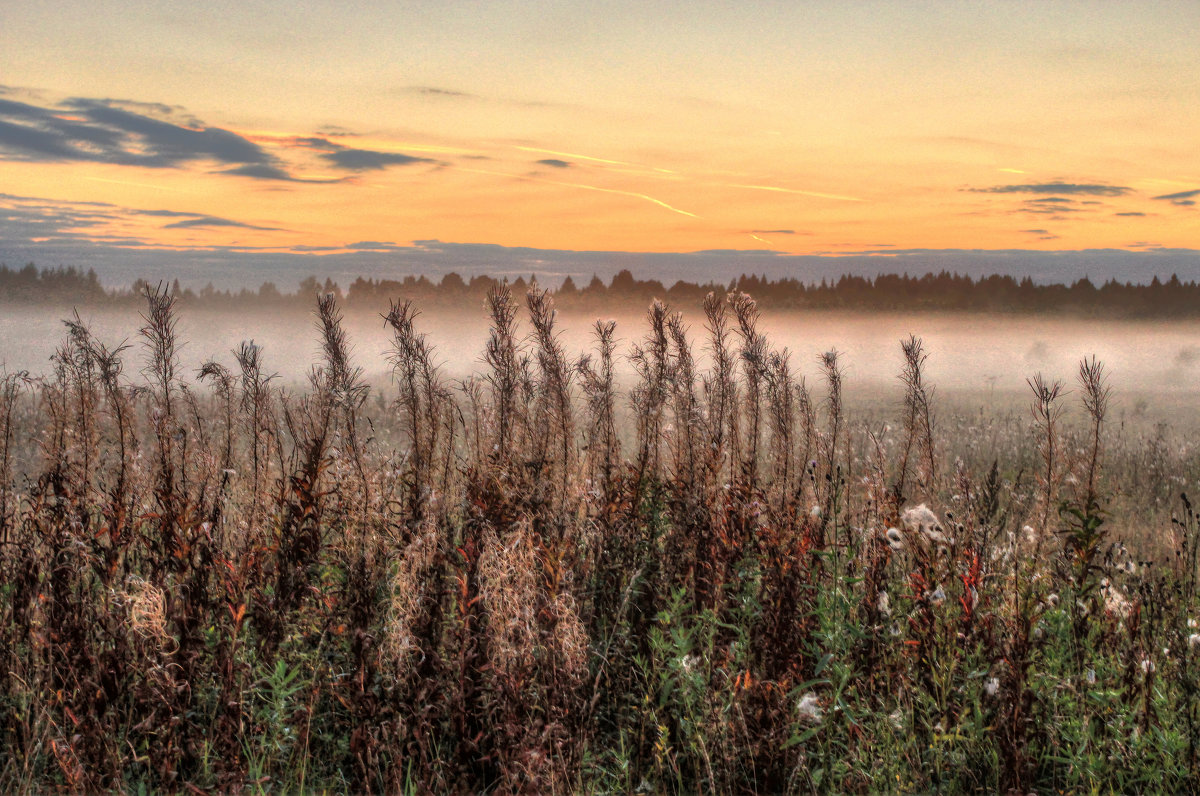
(370, 160)
(122, 132)
(739, 252)
(28, 220)
(353, 158)
(266, 171)
(1181, 199)
(375, 246)
(440, 94)
(1047, 210)
(757, 234)
(555, 162)
(1074, 189)
(208, 221)
(434, 91)
(1042, 234)
(1069, 188)
(164, 213)
(338, 130)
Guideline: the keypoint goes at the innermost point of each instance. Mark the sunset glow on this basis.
(815, 128)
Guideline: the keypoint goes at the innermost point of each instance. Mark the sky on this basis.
(226, 139)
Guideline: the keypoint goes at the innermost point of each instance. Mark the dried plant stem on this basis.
(1095, 396)
(1046, 413)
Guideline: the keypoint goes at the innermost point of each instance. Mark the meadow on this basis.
(686, 561)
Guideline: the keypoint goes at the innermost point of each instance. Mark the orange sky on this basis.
(654, 127)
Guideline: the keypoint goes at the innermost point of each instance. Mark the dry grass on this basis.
(725, 580)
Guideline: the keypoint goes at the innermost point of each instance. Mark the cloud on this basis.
(1130, 214)
(164, 213)
(1037, 231)
(775, 232)
(1048, 210)
(312, 142)
(352, 158)
(156, 109)
(30, 144)
(12, 197)
(1079, 189)
(1050, 200)
(208, 221)
(333, 129)
(556, 163)
(374, 246)
(126, 133)
(369, 160)
(161, 144)
(739, 252)
(438, 94)
(1181, 199)
(37, 222)
(265, 171)
(434, 91)
(27, 219)
(1181, 195)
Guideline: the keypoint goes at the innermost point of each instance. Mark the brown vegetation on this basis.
(496, 586)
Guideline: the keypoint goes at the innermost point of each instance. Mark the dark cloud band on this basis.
(211, 221)
(369, 160)
(123, 133)
(1182, 199)
(1053, 188)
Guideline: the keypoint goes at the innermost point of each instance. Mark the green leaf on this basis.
(801, 738)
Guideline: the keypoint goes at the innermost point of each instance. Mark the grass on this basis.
(721, 580)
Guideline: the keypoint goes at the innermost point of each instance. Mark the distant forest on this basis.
(943, 291)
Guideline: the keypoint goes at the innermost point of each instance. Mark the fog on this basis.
(968, 354)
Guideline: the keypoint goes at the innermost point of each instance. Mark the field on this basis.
(671, 565)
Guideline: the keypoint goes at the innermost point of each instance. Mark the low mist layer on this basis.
(986, 352)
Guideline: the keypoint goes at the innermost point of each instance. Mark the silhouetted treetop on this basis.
(942, 291)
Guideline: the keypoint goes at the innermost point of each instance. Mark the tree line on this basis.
(942, 291)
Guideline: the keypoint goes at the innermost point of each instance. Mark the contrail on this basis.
(658, 202)
(595, 160)
(838, 197)
(574, 155)
(634, 194)
(138, 184)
